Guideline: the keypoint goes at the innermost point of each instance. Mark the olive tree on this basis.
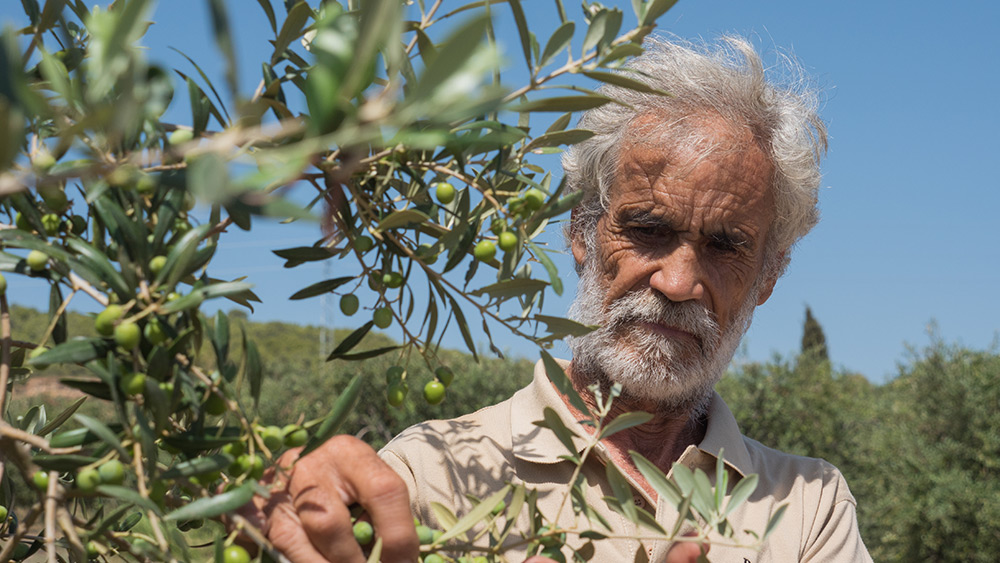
(415, 155)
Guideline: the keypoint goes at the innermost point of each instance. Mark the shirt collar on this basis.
(539, 445)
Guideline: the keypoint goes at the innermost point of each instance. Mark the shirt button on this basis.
(638, 501)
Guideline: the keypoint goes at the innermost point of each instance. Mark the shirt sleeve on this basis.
(838, 538)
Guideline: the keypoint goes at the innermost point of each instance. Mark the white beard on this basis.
(678, 375)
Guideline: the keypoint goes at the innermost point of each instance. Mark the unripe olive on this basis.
(235, 554)
(444, 192)
(133, 383)
(394, 374)
(54, 198)
(396, 393)
(105, 321)
(145, 185)
(180, 136)
(363, 244)
(37, 260)
(484, 251)
(507, 241)
(426, 253)
(3, 285)
(127, 335)
(156, 264)
(234, 449)
(50, 222)
(215, 405)
(295, 435)
(21, 222)
(349, 304)
(272, 437)
(392, 279)
(93, 552)
(363, 532)
(78, 225)
(38, 351)
(434, 392)
(3, 514)
(425, 535)
(88, 479)
(40, 480)
(43, 161)
(382, 317)
(153, 332)
(534, 198)
(112, 472)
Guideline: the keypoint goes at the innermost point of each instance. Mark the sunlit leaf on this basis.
(105, 433)
(211, 507)
(625, 421)
(559, 40)
(474, 516)
(337, 415)
(563, 103)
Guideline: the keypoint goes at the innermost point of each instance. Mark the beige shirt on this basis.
(443, 460)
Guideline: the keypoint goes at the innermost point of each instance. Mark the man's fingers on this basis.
(289, 537)
(326, 521)
(685, 552)
(349, 468)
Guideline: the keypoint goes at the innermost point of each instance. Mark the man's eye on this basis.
(726, 244)
(648, 232)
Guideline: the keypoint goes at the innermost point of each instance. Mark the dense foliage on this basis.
(921, 451)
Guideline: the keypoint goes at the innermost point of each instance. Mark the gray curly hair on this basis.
(727, 81)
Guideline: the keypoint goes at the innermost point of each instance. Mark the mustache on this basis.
(647, 305)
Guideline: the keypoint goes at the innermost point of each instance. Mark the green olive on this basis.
(37, 260)
(235, 554)
(434, 392)
(40, 480)
(127, 335)
(363, 532)
(444, 192)
(272, 437)
(349, 304)
(485, 251)
(396, 394)
(180, 136)
(295, 436)
(112, 472)
(133, 384)
(507, 241)
(382, 317)
(105, 321)
(88, 479)
(215, 405)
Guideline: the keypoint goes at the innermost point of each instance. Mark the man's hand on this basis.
(308, 517)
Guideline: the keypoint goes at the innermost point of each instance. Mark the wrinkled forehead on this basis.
(684, 141)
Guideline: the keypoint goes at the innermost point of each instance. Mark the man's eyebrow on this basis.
(644, 217)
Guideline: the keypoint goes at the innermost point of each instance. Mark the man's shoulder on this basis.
(783, 469)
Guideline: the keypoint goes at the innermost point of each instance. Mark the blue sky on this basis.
(908, 235)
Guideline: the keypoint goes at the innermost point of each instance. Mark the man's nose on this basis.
(679, 275)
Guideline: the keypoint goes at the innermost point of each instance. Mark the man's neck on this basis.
(662, 440)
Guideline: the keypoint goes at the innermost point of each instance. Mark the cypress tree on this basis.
(813, 339)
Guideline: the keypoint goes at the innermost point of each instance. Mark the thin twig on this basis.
(51, 503)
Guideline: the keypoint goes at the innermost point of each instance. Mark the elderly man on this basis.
(692, 204)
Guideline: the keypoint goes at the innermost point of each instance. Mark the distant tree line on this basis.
(921, 452)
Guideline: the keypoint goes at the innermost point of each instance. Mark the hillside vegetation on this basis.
(921, 451)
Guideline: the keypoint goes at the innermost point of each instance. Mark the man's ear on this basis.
(768, 286)
(577, 245)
